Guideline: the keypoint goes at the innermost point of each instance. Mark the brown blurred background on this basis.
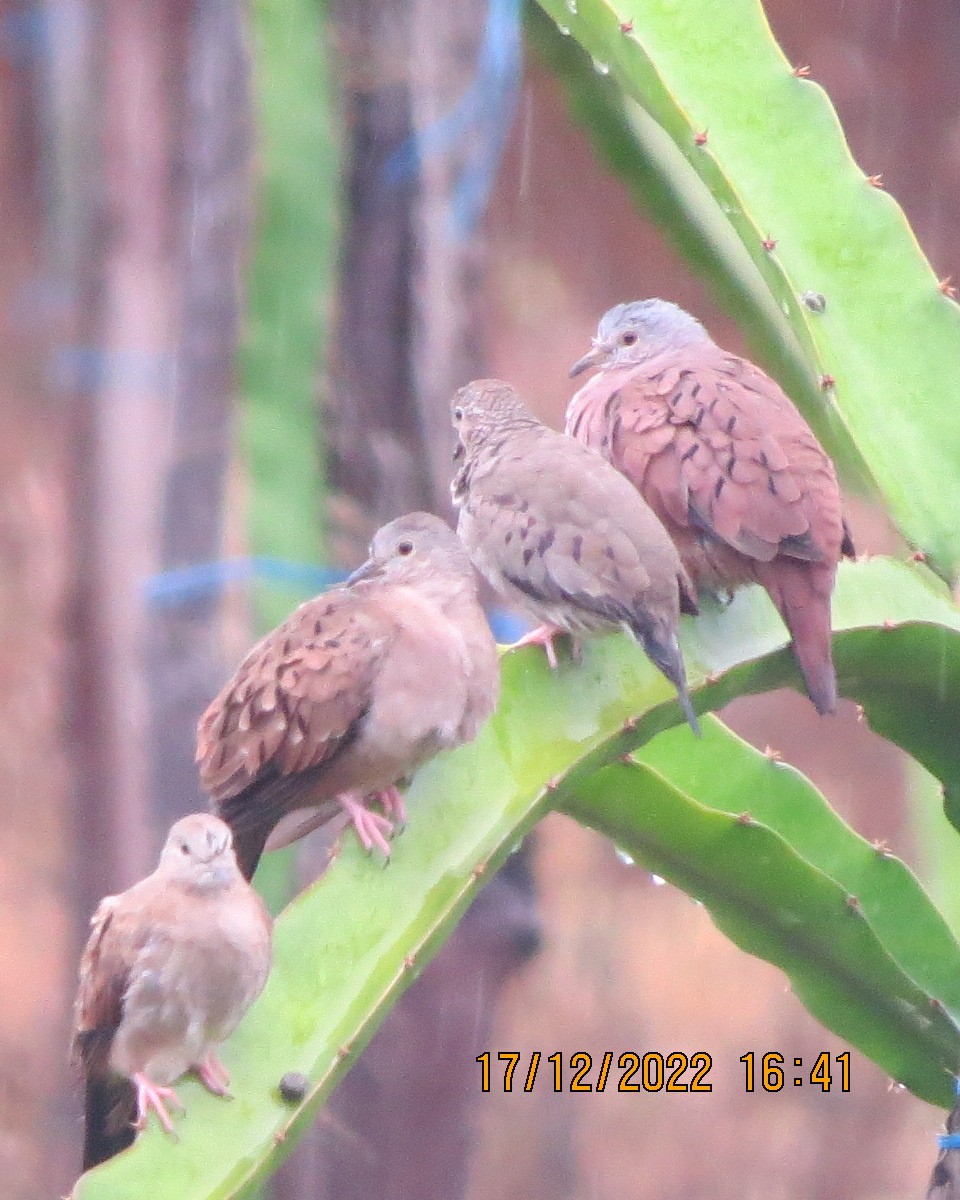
(125, 184)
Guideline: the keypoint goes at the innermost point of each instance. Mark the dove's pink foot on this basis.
(213, 1075)
(543, 636)
(372, 827)
(150, 1095)
(392, 800)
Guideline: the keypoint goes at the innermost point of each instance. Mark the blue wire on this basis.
(951, 1141)
(486, 109)
(203, 580)
(25, 33)
(507, 627)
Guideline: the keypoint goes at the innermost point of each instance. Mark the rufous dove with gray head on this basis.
(559, 532)
(171, 966)
(726, 462)
(351, 694)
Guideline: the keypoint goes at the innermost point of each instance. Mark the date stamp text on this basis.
(653, 1071)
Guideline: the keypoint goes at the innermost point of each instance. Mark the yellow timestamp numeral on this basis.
(650, 1072)
(773, 1073)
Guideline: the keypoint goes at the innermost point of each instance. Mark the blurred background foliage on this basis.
(249, 252)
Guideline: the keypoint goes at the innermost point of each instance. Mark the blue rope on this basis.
(485, 110)
(951, 1141)
(203, 580)
(507, 626)
(25, 33)
(89, 368)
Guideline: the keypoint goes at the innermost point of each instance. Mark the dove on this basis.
(351, 694)
(557, 531)
(171, 966)
(726, 462)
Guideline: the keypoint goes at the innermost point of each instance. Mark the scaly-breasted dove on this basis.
(353, 692)
(726, 462)
(558, 531)
(171, 966)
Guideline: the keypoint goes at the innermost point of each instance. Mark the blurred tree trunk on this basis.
(120, 370)
(409, 330)
(185, 666)
(446, 340)
(374, 429)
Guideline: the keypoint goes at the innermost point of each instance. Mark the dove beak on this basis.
(594, 357)
(215, 875)
(367, 570)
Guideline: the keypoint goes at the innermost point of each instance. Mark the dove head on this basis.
(198, 853)
(483, 408)
(631, 333)
(414, 548)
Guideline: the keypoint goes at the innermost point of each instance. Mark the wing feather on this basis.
(713, 443)
(295, 699)
(104, 976)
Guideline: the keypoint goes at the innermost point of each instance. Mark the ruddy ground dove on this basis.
(726, 462)
(171, 966)
(558, 531)
(353, 692)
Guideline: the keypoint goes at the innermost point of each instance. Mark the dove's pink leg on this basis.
(149, 1095)
(543, 636)
(392, 800)
(213, 1075)
(370, 826)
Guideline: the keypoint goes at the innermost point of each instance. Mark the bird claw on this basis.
(371, 826)
(543, 636)
(151, 1095)
(213, 1075)
(393, 805)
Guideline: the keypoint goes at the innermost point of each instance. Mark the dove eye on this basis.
(458, 413)
(627, 339)
(405, 548)
(184, 848)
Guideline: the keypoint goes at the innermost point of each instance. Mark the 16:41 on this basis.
(773, 1074)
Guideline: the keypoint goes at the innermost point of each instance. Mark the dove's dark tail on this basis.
(250, 830)
(248, 845)
(253, 813)
(801, 591)
(111, 1109)
(664, 653)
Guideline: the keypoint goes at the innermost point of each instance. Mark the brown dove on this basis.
(353, 692)
(726, 462)
(171, 966)
(559, 532)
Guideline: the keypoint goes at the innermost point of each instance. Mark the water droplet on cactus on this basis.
(601, 68)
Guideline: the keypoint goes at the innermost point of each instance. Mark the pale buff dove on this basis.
(726, 462)
(171, 966)
(559, 532)
(352, 693)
